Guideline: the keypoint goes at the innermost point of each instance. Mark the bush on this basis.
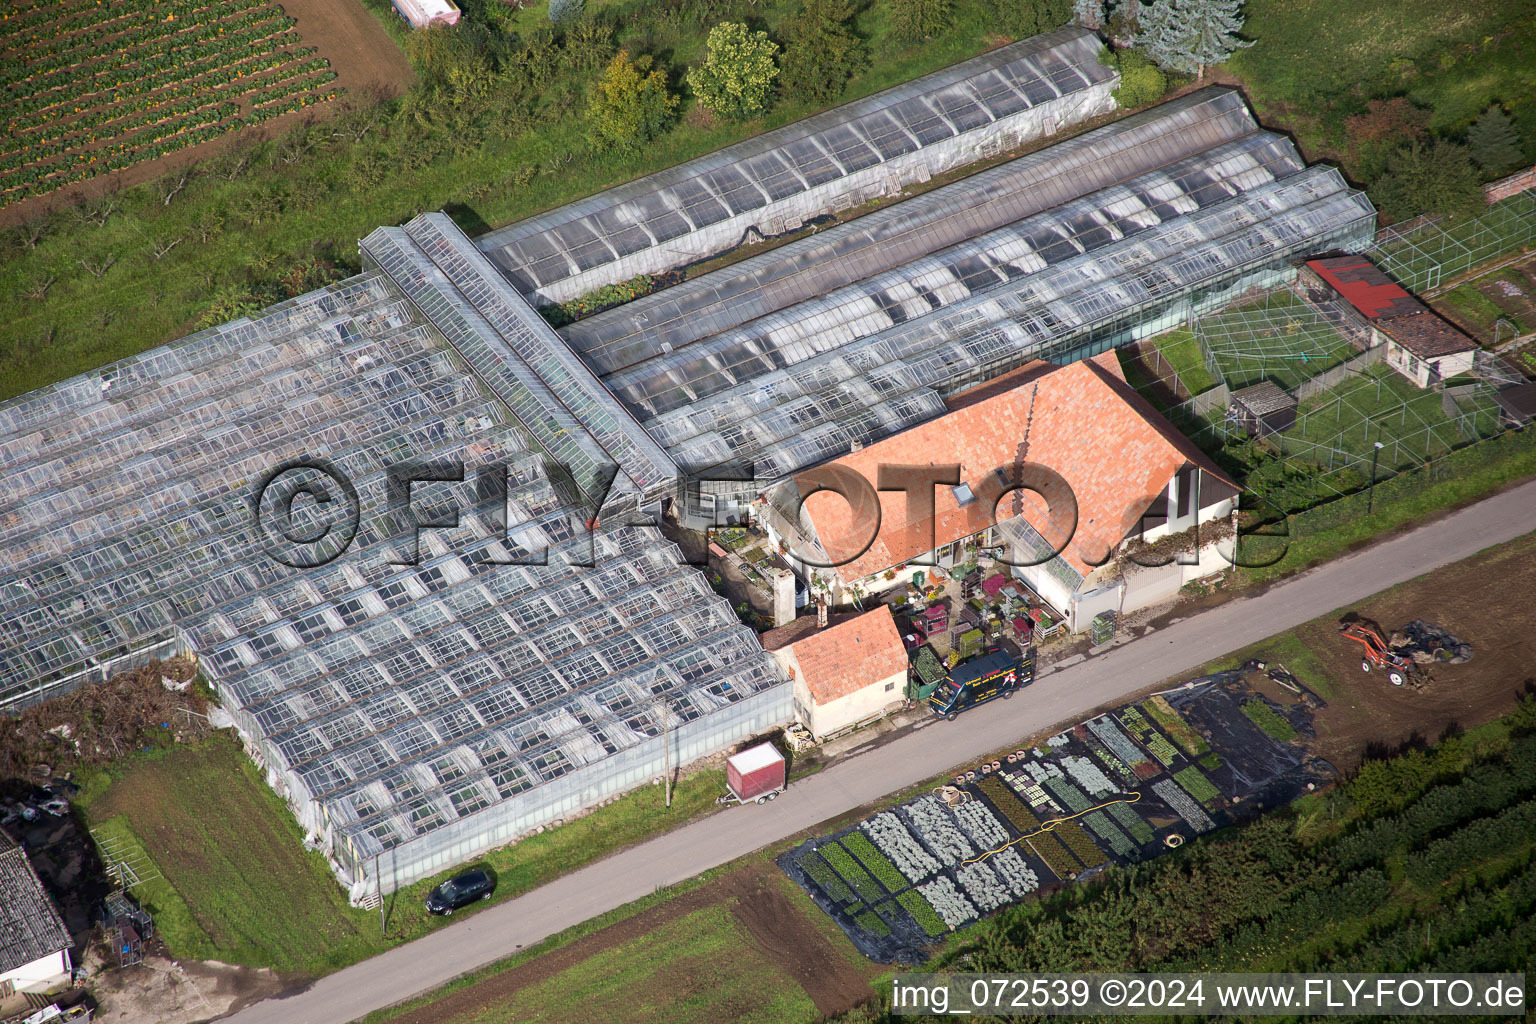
(630, 104)
(1141, 81)
(562, 12)
(736, 78)
(1024, 18)
(914, 20)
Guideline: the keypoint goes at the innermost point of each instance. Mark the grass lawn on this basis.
(1382, 405)
(238, 886)
(1182, 349)
(1279, 339)
(1316, 61)
(698, 968)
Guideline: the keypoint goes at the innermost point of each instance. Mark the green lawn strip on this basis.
(694, 968)
(174, 920)
(1266, 718)
(1197, 785)
(843, 863)
(252, 896)
(922, 912)
(234, 856)
(1182, 349)
(879, 865)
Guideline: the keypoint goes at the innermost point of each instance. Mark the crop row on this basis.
(1162, 748)
(1087, 775)
(870, 922)
(113, 69)
(843, 863)
(1019, 876)
(1056, 857)
(858, 844)
(1132, 822)
(1079, 842)
(1117, 741)
(1268, 719)
(1007, 802)
(30, 181)
(823, 875)
(1176, 727)
(1067, 795)
(936, 827)
(50, 15)
(891, 837)
(951, 905)
(913, 903)
(1171, 794)
(983, 886)
(275, 70)
(66, 49)
(1109, 832)
(232, 52)
(1199, 787)
(194, 109)
(981, 824)
(1476, 841)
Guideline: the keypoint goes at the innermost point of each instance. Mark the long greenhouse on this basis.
(835, 160)
(419, 695)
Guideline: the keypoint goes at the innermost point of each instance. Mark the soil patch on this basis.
(784, 933)
(1481, 600)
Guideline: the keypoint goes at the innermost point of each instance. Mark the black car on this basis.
(460, 891)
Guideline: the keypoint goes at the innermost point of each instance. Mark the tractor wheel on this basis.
(1396, 678)
(1365, 664)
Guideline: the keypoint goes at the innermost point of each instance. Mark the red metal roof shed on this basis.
(1366, 288)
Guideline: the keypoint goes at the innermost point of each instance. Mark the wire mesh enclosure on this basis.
(1423, 254)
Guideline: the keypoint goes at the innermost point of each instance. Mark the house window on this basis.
(890, 686)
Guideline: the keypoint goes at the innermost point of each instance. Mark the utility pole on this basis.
(378, 884)
(666, 750)
(1370, 499)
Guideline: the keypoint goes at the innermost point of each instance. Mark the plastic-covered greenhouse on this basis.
(428, 694)
(835, 160)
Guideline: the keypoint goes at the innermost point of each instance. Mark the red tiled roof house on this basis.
(1131, 472)
(1420, 345)
(844, 674)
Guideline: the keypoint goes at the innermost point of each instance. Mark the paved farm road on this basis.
(1056, 697)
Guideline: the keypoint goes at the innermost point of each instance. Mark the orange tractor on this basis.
(1379, 654)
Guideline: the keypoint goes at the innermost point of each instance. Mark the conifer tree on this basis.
(1495, 146)
(1191, 35)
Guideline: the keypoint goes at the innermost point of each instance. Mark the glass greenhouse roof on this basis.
(809, 380)
(775, 167)
(399, 696)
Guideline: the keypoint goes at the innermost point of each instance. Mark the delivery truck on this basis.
(755, 775)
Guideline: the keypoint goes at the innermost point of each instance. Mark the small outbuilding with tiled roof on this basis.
(1427, 349)
(847, 673)
(34, 944)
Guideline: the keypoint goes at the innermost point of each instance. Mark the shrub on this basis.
(1141, 81)
(1024, 18)
(914, 20)
(736, 78)
(1435, 178)
(562, 12)
(821, 55)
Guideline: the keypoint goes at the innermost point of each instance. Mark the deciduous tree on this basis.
(736, 78)
(1024, 18)
(821, 53)
(630, 104)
